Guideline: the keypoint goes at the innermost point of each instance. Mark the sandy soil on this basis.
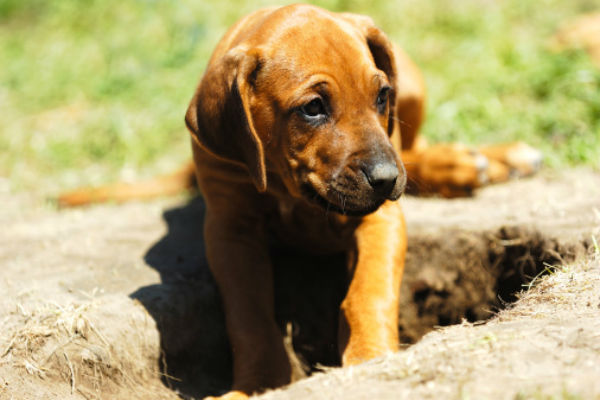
(116, 301)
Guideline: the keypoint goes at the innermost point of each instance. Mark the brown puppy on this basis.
(298, 126)
(294, 133)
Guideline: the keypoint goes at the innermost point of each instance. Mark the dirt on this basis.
(115, 301)
(545, 347)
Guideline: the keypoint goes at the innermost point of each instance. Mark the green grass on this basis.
(92, 90)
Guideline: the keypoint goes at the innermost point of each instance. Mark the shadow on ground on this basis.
(196, 358)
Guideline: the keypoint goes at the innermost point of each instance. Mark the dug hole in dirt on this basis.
(115, 301)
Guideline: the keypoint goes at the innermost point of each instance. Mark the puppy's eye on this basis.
(314, 108)
(382, 98)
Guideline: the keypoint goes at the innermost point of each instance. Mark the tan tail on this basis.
(164, 185)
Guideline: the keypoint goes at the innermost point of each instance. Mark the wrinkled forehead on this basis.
(320, 46)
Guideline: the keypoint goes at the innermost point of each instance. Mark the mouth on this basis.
(343, 207)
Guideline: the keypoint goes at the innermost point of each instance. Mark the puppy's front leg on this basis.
(238, 258)
(369, 313)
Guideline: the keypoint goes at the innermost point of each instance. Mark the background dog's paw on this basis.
(498, 171)
(523, 160)
(520, 159)
(452, 170)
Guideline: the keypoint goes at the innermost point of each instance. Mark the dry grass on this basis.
(50, 322)
(77, 343)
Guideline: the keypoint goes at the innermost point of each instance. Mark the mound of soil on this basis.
(117, 302)
(545, 347)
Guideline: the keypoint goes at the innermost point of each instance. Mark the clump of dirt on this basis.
(118, 302)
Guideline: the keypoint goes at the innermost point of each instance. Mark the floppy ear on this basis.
(219, 115)
(383, 54)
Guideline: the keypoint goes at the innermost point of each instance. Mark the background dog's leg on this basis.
(454, 170)
(451, 170)
(369, 313)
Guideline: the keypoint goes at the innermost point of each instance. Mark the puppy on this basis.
(294, 133)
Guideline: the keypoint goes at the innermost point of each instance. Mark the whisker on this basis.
(402, 122)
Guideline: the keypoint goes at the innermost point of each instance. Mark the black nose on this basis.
(382, 176)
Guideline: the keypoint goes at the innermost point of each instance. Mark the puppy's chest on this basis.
(293, 223)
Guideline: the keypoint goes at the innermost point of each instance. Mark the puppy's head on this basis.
(315, 91)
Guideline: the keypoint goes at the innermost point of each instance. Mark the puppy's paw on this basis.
(233, 395)
(358, 353)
